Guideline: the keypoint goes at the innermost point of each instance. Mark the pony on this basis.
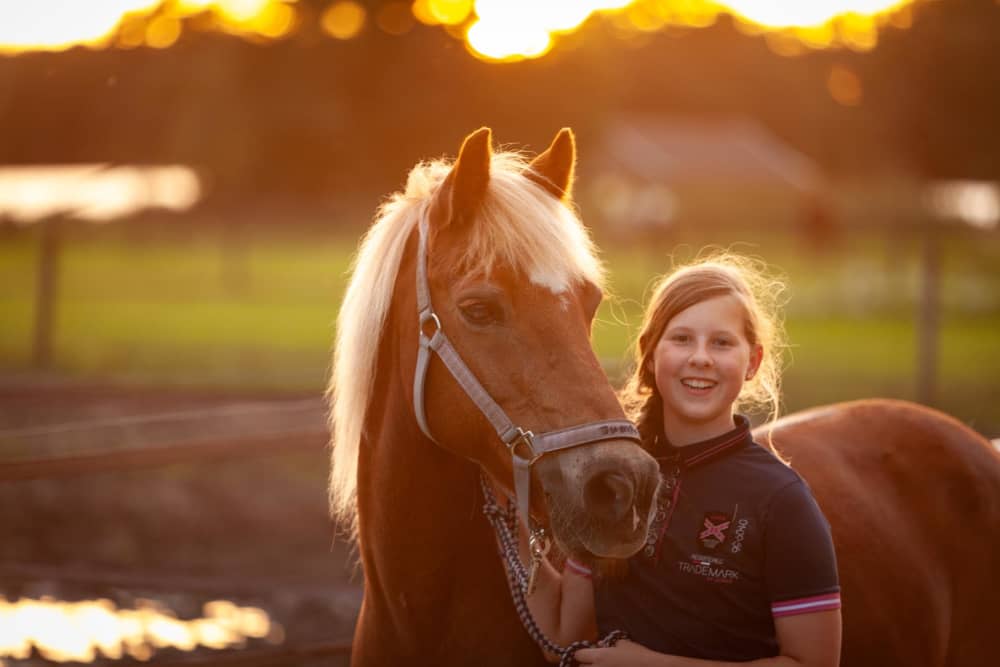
(515, 282)
(913, 500)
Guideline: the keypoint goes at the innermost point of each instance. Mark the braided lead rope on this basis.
(613, 638)
(504, 525)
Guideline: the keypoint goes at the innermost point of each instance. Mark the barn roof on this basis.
(676, 150)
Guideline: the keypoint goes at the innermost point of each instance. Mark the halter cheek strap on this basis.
(524, 446)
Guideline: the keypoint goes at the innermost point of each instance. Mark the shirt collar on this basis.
(698, 453)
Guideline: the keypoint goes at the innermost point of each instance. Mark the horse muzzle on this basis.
(600, 498)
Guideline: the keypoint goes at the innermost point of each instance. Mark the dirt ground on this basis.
(253, 531)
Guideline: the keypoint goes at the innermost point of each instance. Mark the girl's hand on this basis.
(622, 654)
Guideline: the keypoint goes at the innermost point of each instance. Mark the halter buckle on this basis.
(526, 438)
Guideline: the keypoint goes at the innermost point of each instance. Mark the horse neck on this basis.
(432, 573)
(413, 496)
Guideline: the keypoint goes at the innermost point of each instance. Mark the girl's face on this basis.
(700, 363)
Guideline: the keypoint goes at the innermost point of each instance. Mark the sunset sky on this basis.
(492, 29)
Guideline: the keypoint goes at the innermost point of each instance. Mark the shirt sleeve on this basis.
(800, 566)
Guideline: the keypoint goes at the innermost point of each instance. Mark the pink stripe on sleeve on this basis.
(805, 605)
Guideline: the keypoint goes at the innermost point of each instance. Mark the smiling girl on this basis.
(739, 564)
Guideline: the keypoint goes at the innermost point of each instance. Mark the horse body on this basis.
(913, 501)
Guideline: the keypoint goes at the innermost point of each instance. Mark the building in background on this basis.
(657, 171)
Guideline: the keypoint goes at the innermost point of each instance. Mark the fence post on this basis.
(45, 293)
(929, 314)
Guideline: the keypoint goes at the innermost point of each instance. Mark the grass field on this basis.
(257, 311)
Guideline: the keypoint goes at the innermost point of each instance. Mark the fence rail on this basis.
(157, 581)
(245, 429)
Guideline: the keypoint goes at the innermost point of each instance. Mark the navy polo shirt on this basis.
(738, 541)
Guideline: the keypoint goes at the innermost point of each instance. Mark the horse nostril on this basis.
(609, 494)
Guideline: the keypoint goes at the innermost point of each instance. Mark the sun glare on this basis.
(57, 25)
(497, 30)
(513, 29)
(344, 19)
(518, 29)
(799, 14)
(83, 631)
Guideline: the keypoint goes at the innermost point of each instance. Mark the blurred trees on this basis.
(311, 115)
(939, 89)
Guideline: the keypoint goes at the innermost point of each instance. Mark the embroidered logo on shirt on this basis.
(741, 531)
(713, 529)
(710, 570)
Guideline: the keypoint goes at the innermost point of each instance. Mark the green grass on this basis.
(203, 310)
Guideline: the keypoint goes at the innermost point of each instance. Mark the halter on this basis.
(525, 447)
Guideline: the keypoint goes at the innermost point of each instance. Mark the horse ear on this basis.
(465, 186)
(554, 168)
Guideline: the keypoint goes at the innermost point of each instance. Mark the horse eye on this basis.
(480, 313)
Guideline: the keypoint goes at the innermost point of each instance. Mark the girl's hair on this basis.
(710, 276)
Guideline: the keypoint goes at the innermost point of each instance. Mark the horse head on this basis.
(514, 284)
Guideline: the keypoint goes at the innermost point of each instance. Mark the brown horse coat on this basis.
(913, 499)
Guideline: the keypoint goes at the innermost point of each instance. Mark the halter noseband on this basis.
(525, 447)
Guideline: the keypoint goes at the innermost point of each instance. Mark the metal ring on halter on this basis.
(539, 543)
(429, 317)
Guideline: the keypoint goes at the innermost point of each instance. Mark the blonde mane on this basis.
(521, 226)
